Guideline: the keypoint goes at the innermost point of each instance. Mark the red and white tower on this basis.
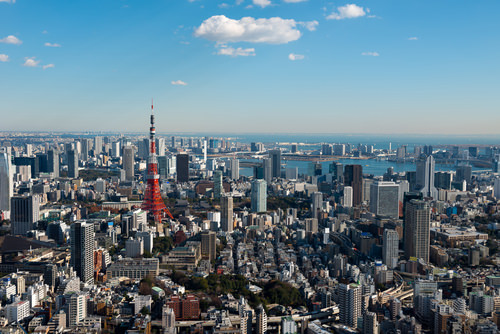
(152, 198)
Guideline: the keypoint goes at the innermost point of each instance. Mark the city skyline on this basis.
(400, 68)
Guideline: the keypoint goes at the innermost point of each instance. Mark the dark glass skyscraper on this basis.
(353, 177)
(182, 167)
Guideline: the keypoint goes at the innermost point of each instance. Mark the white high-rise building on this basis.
(134, 247)
(6, 182)
(347, 197)
(97, 146)
(390, 248)
(17, 311)
(116, 149)
(168, 320)
(259, 196)
(425, 177)
(384, 199)
(77, 310)
(82, 250)
(235, 169)
(350, 304)
(261, 320)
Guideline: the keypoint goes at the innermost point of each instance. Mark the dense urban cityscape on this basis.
(149, 234)
(249, 167)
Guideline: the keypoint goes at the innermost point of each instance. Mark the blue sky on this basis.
(392, 66)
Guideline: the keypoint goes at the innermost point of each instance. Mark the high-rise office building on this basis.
(347, 197)
(85, 147)
(349, 304)
(25, 211)
(275, 156)
(267, 168)
(390, 248)
(317, 203)
(259, 196)
(72, 164)
(168, 320)
(234, 168)
(6, 182)
(353, 177)
(384, 199)
(442, 180)
(337, 171)
(53, 162)
(417, 229)
(227, 214)
(182, 167)
(218, 187)
(97, 146)
(464, 173)
(208, 244)
(425, 177)
(128, 162)
(116, 149)
(82, 250)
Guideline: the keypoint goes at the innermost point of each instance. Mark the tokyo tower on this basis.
(153, 202)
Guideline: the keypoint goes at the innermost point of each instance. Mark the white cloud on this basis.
(294, 56)
(48, 66)
(372, 54)
(349, 11)
(53, 45)
(8, 1)
(11, 39)
(261, 3)
(413, 38)
(310, 25)
(230, 51)
(274, 30)
(31, 62)
(3, 58)
(179, 83)
(238, 2)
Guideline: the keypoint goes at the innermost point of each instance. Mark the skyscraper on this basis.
(261, 320)
(417, 229)
(349, 304)
(97, 146)
(85, 148)
(25, 211)
(275, 156)
(77, 309)
(425, 177)
(317, 203)
(208, 245)
(72, 164)
(82, 250)
(390, 248)
(6, 182)
(353, 177)
(128, 162)
(227, 214)
(337, 171)
(464, 173)
(218, 187)
(234, 169)
(267, 166)
(384, 199)
(259, 196)
(347, 198)
(370, 323)
(182, 167)
(53, 162)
